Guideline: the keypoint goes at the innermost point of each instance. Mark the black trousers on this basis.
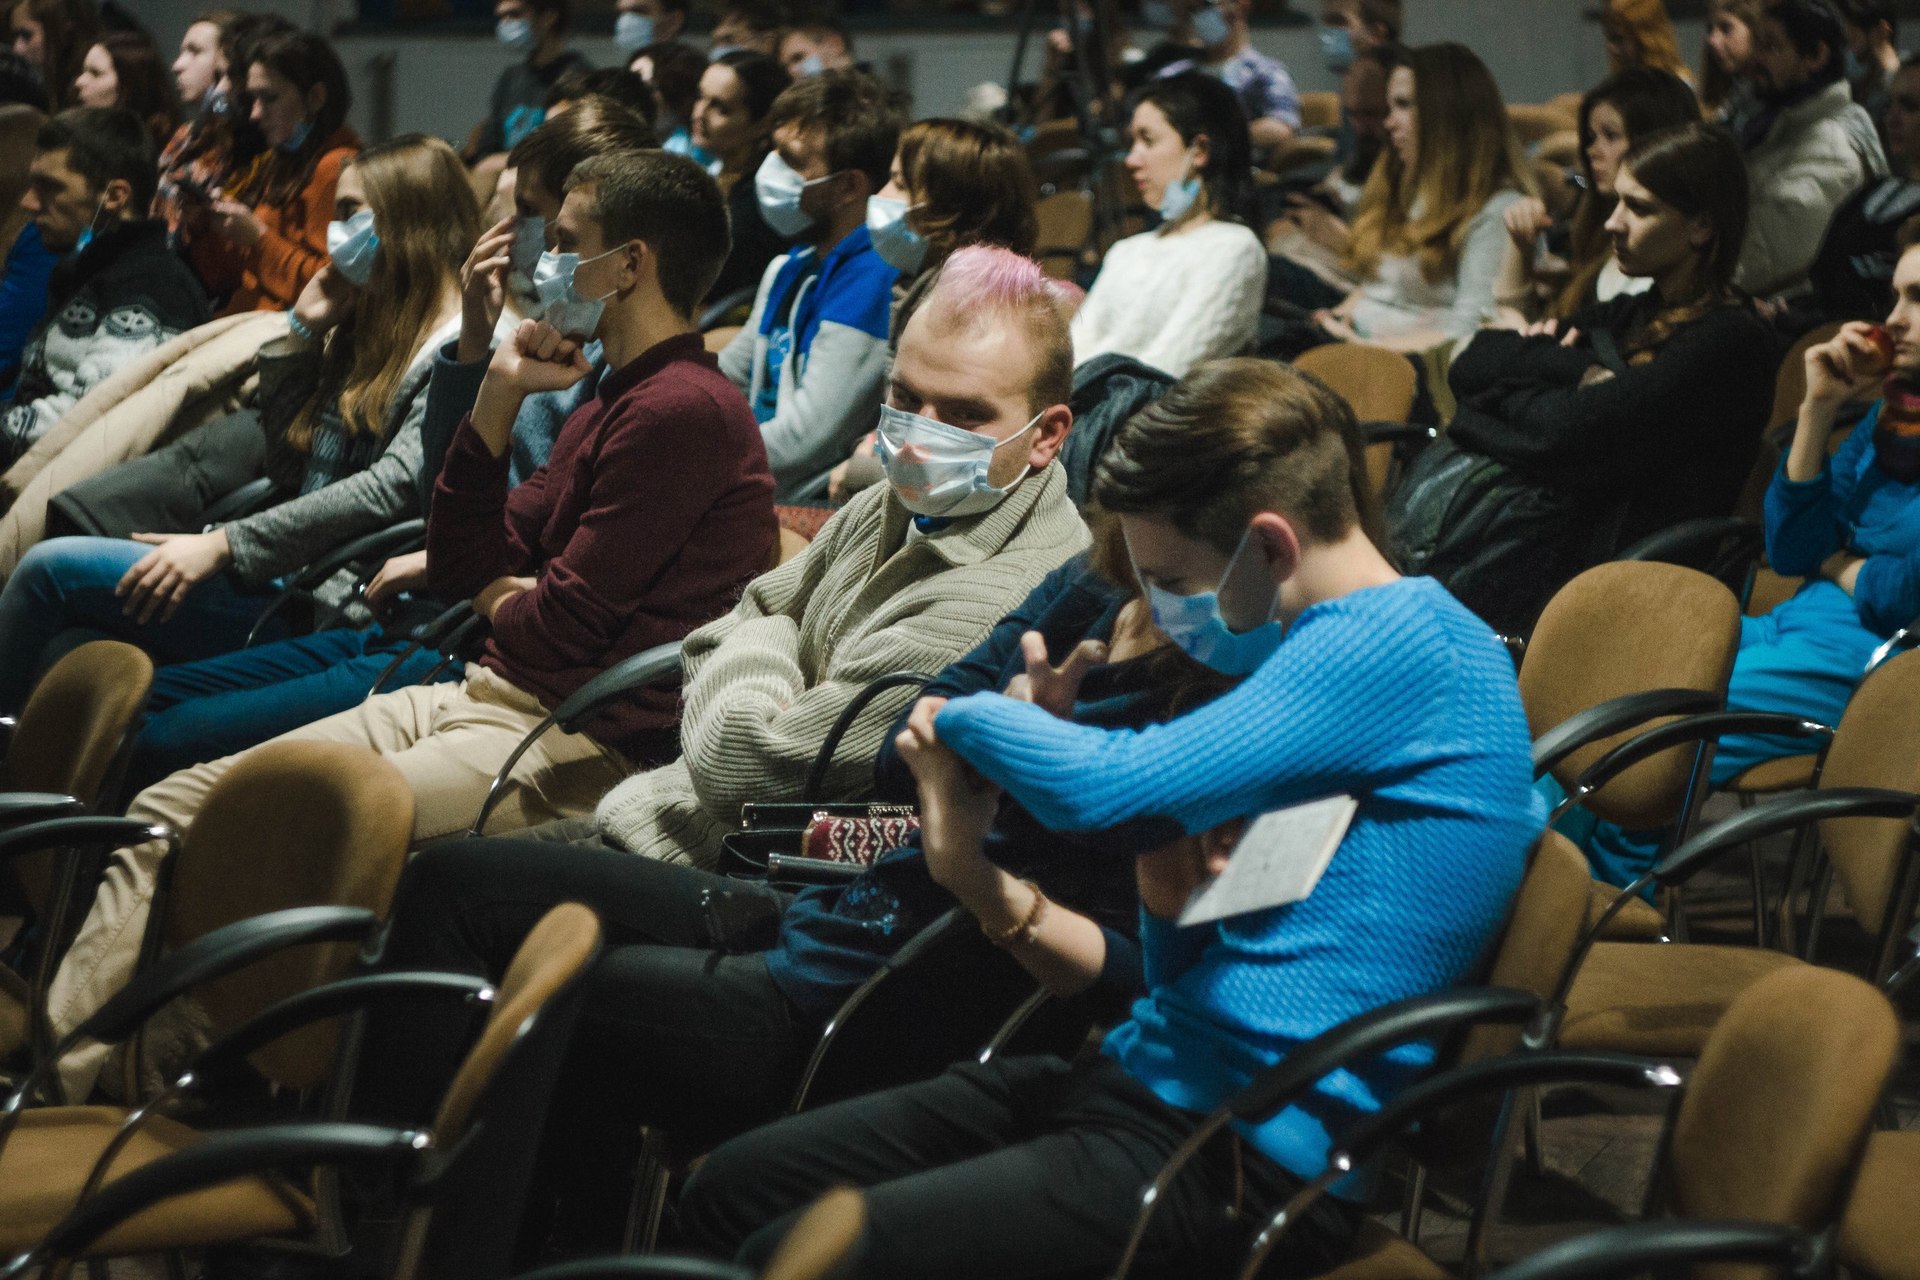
(1021, 1167)
(681, 1025)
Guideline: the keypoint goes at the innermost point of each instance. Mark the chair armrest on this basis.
(1614, 716)
(648, 667)
(36, 806)
(218, 1158)
(1397, 432)
(1376, 1032)
(1692, 542)
(244, 501)
(823, 759)
(1782, 813)
(56, 833)
(408, 535)
(630, 1267)
(1710, 727)
(1901, 640)
(799, 870)
(1674, 1247)
(715, 313)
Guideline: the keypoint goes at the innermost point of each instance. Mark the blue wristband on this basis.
(298, 329)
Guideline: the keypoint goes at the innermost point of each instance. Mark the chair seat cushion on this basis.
(1876, 1236)
(1659, 998)
(46, 1162)
(1638, 921)
(1379, 1254)
(1789, 773)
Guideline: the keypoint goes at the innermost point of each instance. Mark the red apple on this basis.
(1882, 347)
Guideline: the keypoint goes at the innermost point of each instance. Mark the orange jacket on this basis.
(294, 245)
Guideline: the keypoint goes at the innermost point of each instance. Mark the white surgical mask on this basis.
(899, 246)
(1194, 624)
(949, 475)
(561, 305)
(1179, 196)
(632, 32)
(779, 189)
(1210, 27)
(515, 33)
(353, 245)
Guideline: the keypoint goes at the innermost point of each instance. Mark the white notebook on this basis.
(1279, 860)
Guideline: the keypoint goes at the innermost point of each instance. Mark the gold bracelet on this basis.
(1022, 932)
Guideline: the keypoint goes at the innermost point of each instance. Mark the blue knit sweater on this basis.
(1396, 695)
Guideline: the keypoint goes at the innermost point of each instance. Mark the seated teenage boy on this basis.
(812, 357)
(653, 509)
(1236, 497)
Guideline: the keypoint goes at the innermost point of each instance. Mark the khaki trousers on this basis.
(447, 739)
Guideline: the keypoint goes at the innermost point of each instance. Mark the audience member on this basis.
(1873, 54)
(1579, 437)
(641, 24)
(815, 44)
(54, 35)
(1430, 232)
(1262, 85)
(276, 219)
(1349, 28)
(338, 426)
(598, 556)
(751, 25)
(29, 263)
(732, 125)
(674, 71)
(812, 356)
(536, 30)
(616, 84)
(1615, 114)
(1808, 148)
(1726, 93)
(1852, 278)
(1190, 289)
(1846, 521)
(119, 294)
(124, 70)
(1236, 496)
(1640, 34)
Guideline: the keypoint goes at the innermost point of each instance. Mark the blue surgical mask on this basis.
(811, 65)
(561, 305)
(353, 245)
(215, 102)
(1179, 196)
(899, 246)
(949, 475)
(1194, 624)
(1336, 48)
(720, 51)
(779, 189)
(516, 34)
(298, 138)
(1210, 27)
(632, 32)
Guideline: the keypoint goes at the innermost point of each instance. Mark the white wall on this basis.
(1537, 48)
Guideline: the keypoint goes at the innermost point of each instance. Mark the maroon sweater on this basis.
(653, 511)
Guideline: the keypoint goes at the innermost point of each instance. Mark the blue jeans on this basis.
(1805, 658)
(204, 710)
(67, 583)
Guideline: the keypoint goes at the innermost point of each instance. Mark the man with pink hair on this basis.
(910, 575)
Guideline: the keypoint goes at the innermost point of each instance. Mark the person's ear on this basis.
(1217, 845)
(117, 196)
(1202, 149)
(1049, 434)
(1700, 231)
(1281, 542)
(316, 99)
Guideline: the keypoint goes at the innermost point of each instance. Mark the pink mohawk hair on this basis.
(982, 281)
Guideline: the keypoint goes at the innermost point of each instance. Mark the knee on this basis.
(715, 1209)
(434, 891)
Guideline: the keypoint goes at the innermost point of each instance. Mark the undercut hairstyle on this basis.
(668, 203)
(1235, 438)
(985, 286)
(595, 126)
(615, 83)
(856, 117)
(105, 144)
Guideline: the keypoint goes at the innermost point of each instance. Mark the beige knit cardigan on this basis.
(766, 682)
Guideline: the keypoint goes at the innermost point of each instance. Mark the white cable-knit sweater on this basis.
(1176, 299)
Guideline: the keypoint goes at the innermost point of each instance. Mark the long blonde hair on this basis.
(427, 218)
(1466, 153)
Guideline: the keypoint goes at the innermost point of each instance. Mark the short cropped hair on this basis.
(617, 83)
(982, 285)
(668, 203)
(596, 126)
(104, 144)
(855, 114)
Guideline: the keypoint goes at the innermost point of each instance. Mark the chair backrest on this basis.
(495, 1109)
(821, 1239)
(1781, 1101)
(1626, 627)
(70, 733)
(1874, 745)
(1378, 385)
(1065, 222)
(291, 824)
(1320, 109)
(1542, 930)
(1789, 389)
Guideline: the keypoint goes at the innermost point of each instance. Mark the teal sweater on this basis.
(1395, 695)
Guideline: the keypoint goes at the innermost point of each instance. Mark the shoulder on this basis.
(1223, 238)
(860, 294)
(1494, 211)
